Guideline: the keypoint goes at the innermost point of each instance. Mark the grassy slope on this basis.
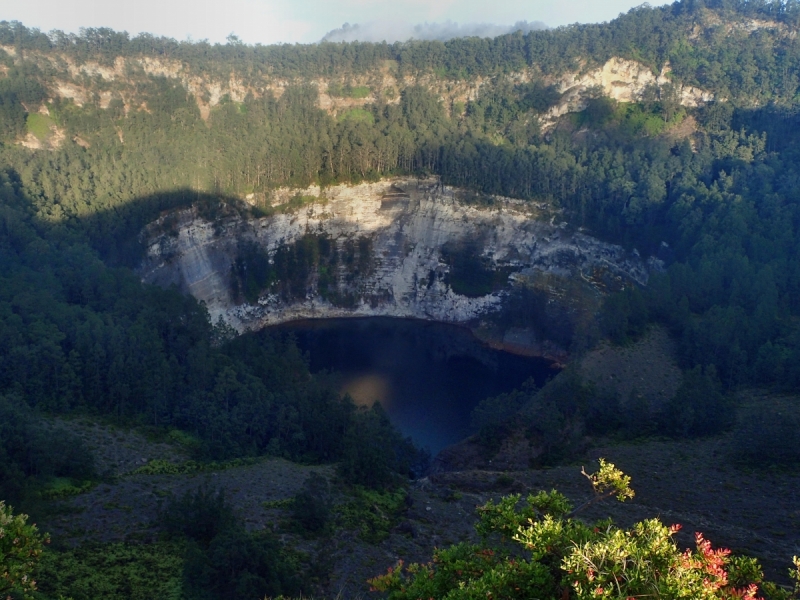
(39, 125)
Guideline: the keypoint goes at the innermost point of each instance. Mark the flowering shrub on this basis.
(644, 562)
(20, 549)
(544, 552)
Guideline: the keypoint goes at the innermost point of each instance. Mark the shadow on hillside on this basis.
(115, 233)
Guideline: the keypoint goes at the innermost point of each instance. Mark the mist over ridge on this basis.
(388, 31)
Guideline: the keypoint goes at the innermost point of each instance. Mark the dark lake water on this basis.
(427, 376)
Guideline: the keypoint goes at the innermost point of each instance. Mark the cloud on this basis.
(379, 31)
(265, 21)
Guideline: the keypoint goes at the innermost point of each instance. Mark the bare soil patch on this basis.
(682, 130)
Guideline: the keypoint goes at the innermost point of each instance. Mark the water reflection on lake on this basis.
(368, 388)
(427, 376)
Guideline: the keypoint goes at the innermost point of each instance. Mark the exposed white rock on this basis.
(52, 141)
(31, 142)
(619, 79)
(625, 81)
(72, 92)
(408, 223)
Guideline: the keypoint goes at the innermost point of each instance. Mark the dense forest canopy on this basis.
(719, 201)
(101, 133)
(645, 33)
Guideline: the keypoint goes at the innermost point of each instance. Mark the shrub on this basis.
(161, 466)
(34, 456)
(545, 552)
(624, 315)
(373, 512)
(222, 560)
(311, 508)
(200, 515)
(374, 452)
(20, 550)
(237, 565)
(471, 274)
(112, 571)
(699, 407)
(491, 415)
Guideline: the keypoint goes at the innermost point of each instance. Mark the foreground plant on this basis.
(544, 552)
(20, 549)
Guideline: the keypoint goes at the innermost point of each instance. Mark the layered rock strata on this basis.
(409, 224)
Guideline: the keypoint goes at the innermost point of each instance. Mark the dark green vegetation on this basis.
(312, 506)
(222, 560)
(205, 553)
(287, 272)
(36, 460)
(721, 208)
(118, 570)
(80, 336)
(769, 437)
(470, 273)
(650, 35)
(79, 333)
(561, 418)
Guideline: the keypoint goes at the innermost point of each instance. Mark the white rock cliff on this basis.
(408, 222)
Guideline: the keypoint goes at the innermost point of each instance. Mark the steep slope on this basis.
(408, 240)
(667, 45)
(648, 53)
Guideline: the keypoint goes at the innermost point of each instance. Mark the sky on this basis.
(306, 21)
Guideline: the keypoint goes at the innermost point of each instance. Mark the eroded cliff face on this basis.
(407, 233)
(94, 84)
(621, 80)
(107, 83)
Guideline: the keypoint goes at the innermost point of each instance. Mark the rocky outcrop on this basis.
(408, 225)
(619, 78)
(623, 81)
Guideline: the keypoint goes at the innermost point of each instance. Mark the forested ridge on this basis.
(722, 200)
(653, 35)
(710, 189)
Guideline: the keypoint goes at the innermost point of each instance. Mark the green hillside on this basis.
(696, 162)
